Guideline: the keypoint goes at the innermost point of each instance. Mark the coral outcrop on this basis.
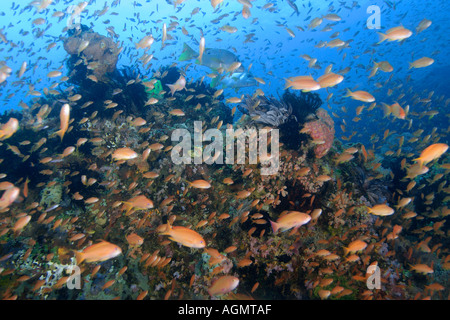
(98, 52)
(322, 131)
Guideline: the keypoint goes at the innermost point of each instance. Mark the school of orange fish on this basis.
(140, 227)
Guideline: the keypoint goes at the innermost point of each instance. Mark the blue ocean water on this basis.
(271, 50)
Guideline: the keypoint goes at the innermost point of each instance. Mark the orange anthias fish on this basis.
(101, 251)
(223, 285)
(134, 240)
(199, 184)
(21, 223)
(304, 83)
(355, 246)
(384, 66)
(395, 34)
(185, 236)
(424, 24)
(64, 116)
(381, 210)
(330, 80)
(25, 188)
(394, 109)
(431, 152)
(124, 154)
(178, 85)
(292, 219)
(140, 202)
(421, 63)
(422, 268)
(8, 197)
(177, 112)
(360, 96)
(9, 128)
(145, 43)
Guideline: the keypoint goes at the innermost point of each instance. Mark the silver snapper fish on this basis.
(235, 80)
(217, 59)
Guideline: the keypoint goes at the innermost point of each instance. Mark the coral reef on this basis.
(90, 182)
(76, 200)
(303, 104)
(288, 114)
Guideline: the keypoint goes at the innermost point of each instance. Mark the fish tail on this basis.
(410, 66)
(61, 133)
(128, 206)
(374, 72)
(79, 256)
(274, 225)
(383, 37)
(168, 229)
(346, 251)
(349, 93)
(128, 211)
(386, 109)
(172, 88)
(288, 84)
(187, 54)
(420, 161)
(214, 82)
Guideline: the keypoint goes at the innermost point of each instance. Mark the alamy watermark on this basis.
(74, 280)
(374, 277)
(71, 274)
(74, 12)
(374, 21)
(258, 141)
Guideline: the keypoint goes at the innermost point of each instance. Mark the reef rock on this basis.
(100, 53)
(321, 130)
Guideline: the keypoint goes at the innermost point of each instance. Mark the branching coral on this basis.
(375, 190)
(271, 111)
(303, 104)
(287, 114)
